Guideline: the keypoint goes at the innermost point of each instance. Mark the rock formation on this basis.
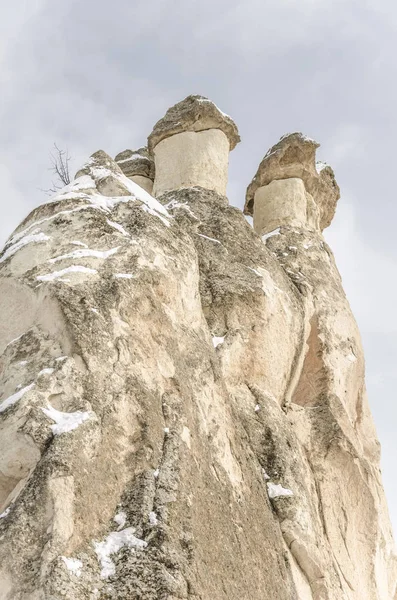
(182, 404)
(138, 165)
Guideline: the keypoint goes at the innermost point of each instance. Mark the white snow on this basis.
(46, 372)
(217, 341)
(135, 190)
(35, 237)
(86, 253)
(277, 490)
(153, 212)
(23, 233)
(65, 422)
(77, 243)
(172, 204)
(22, 363)
(94, 310)
(117, 226)
(72, 269)
(271, 234)
(153, 520)
(120, 519)
(5, 513)
(123, 275)
(265, 475)
(307, 246)
(133, 156)
(15, 397)
(320, 165)
(255, 271)
(61, 358)
(166, 430)
(156, 473)
(257, 408)
(217, 107)
(209, 238)
(114, 542)
(73, 564)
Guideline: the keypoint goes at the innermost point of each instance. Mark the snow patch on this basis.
(86, 253)
(114, 542)
(255, 271)
(257, 408)
(123, 275)
(213, 103)
(153, 520)
(77, 243)
(156, 473)
(72, 269)
(209, 238)
(217, 341)
(15, 397)
(118, 227)
(5, 513)
(65, 422)
(270, 234)
(120, 519)
(320, 165)
(277, 490)
(34, 237)
(73, 564)
(46, 372)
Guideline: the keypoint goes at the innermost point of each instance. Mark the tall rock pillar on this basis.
(191, 146)
(290, 188)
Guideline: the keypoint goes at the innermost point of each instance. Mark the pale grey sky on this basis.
(95, 74)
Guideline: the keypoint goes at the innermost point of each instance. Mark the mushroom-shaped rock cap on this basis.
(295, 156)
(194, 113)
(136, 162)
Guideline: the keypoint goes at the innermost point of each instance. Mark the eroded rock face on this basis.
(194, 113)
(294, 157)
(182, 407)
(191, 146)
(138, 166)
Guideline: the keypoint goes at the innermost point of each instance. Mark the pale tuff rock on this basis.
(205, 433)
(294, 157)
(194, 113)
(138, 166)
(191, 146)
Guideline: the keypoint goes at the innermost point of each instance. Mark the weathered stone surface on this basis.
(192, 159)
(194, 113)
(136, 162)
(284, 202)
(294, 156)
(213, 425)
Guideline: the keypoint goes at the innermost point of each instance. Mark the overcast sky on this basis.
(95, 74)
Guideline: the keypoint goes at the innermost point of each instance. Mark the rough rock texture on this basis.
(192, 158)
(294, 156)
(136, 162)
(284, 202)
(194, 113)
(182, 407)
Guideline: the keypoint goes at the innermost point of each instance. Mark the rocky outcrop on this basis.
(138, 166)
(294, 157)
(183, 411)
(191, 146)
